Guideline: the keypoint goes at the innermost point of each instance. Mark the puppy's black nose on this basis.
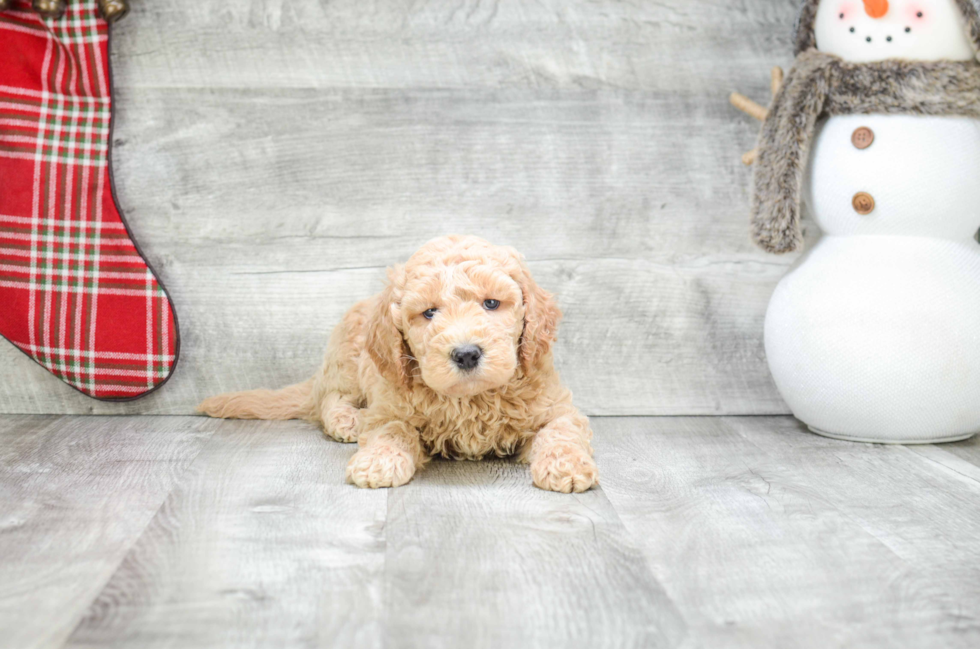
(466, 357)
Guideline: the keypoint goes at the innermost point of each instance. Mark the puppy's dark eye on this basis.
(490, 305)
(428, 314)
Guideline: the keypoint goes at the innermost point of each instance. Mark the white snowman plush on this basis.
(874, 334)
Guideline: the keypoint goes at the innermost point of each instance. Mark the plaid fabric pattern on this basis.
(75, 293)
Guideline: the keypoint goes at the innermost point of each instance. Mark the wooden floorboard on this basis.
(477, 557)
(965, 453)
(706, 532)
(764, 534)
(75, 494)
(261, 545)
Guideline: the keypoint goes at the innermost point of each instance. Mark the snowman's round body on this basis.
(874, 334)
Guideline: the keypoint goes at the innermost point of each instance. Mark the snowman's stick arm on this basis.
(749, 107)
(775, 79)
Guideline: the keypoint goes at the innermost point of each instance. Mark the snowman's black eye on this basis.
(889, 39)
(868, 39)
(908, 29)
(852, 30)
(842, 16)
(918, 15)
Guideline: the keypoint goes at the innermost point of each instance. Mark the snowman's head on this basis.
(874, 30)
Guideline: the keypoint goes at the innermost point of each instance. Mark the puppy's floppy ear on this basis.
(541, 318)
(385, 343)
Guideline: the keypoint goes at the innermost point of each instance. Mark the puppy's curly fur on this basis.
(389, 382)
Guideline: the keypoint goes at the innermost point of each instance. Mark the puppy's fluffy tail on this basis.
(292, 402)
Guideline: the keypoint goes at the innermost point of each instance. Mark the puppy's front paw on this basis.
(341, 423)
(376, 467)
(566, 469)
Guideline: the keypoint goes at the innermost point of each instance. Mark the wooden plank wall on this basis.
(273, 156)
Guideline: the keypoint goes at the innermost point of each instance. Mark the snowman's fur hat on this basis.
(806, 39)
(822, 84)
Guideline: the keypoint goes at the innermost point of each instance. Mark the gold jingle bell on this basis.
(113, 10)
(50, 8)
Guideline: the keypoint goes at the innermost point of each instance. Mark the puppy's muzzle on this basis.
(466, 357)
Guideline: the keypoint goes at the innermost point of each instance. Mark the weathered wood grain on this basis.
(735, 532)
(272, 157)
(766, 535)
(962, 459)
(75, 494)
(261, 545)
(966, 451)
(671, 44)
(476, 557)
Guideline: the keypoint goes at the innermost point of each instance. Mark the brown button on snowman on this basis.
(862, 137)
(874, 333)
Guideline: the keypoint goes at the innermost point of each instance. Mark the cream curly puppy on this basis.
(454, 359)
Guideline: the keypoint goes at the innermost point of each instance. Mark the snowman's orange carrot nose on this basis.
(876, 8)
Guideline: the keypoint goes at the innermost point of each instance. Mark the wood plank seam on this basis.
(83, 610)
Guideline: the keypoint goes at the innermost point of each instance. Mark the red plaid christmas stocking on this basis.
(76, 294)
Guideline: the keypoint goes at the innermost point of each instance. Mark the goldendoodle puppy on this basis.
(453, 358)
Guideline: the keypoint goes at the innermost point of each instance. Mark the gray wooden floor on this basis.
(707, 532)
